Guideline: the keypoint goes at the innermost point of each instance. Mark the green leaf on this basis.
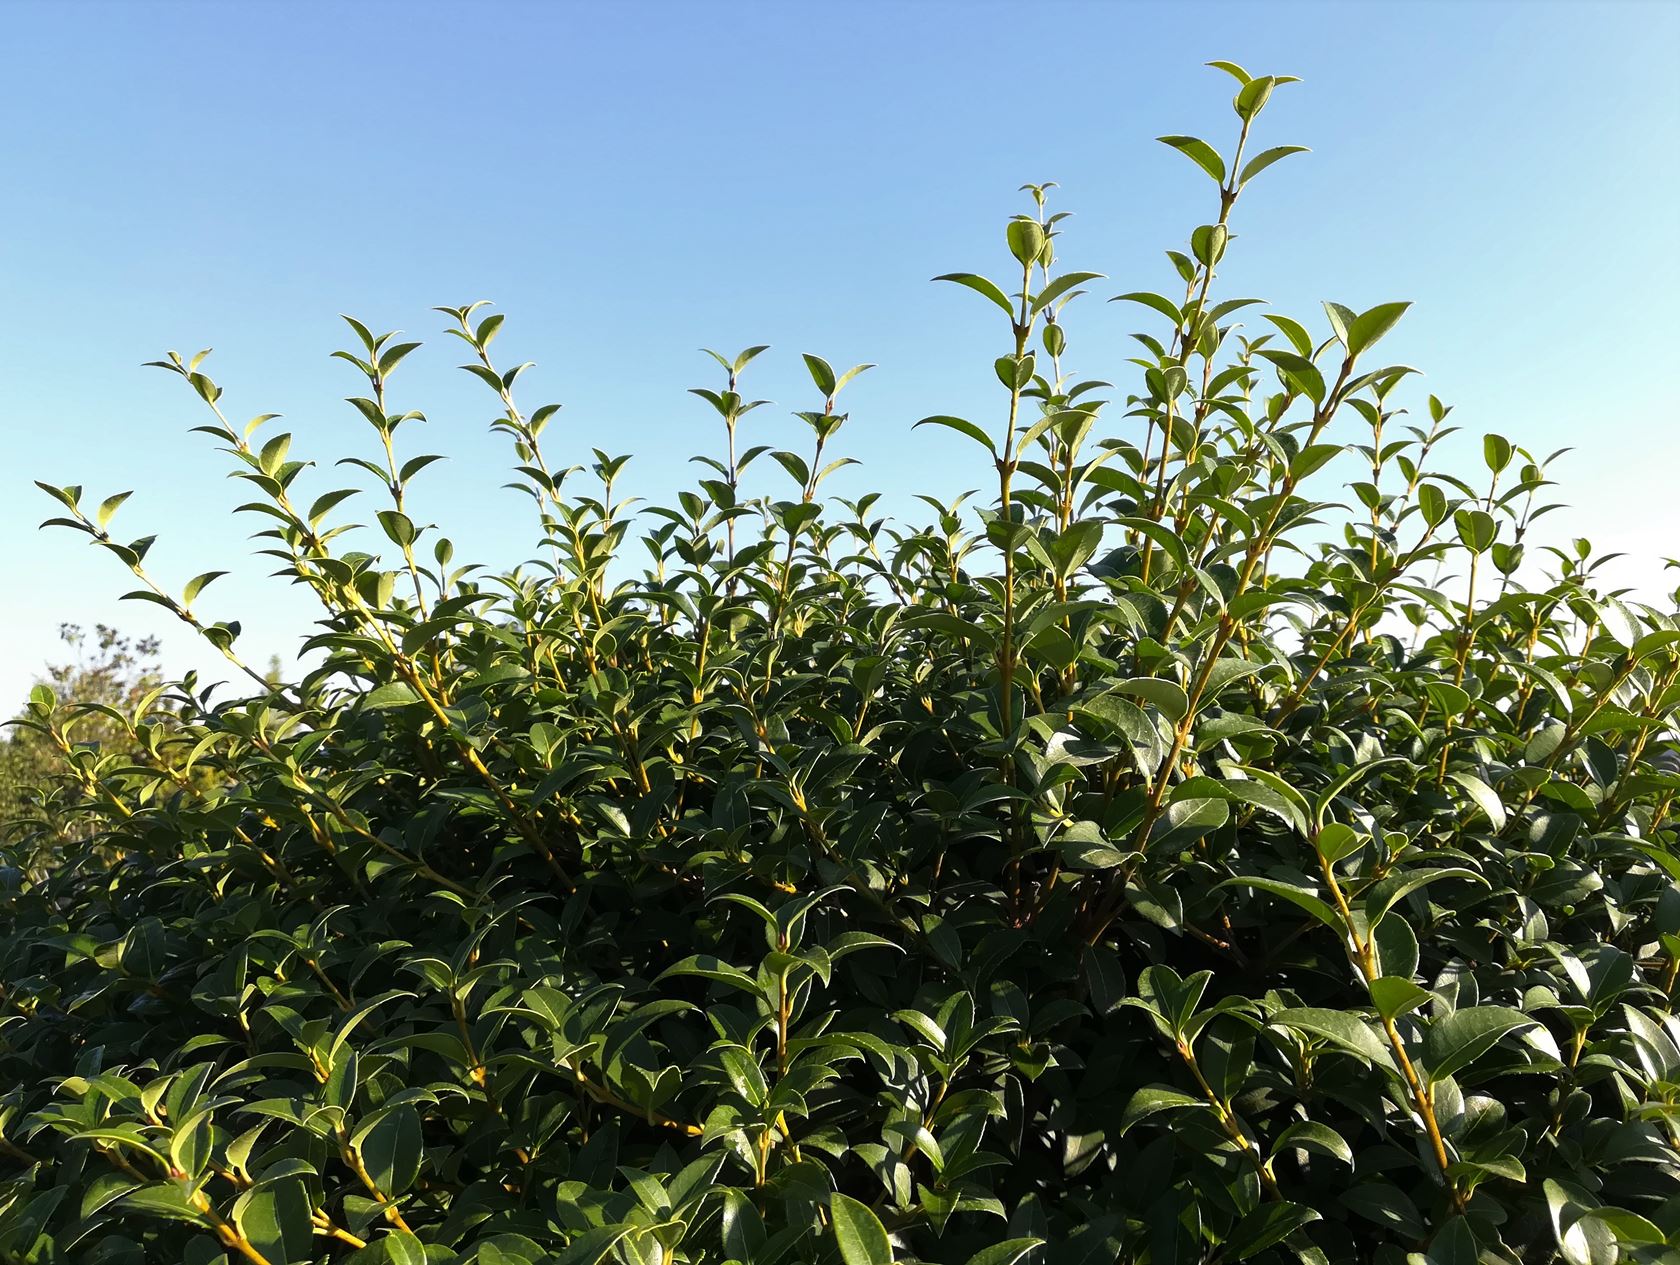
(1165, 306)
(69, 496)
(353, 1018)
(327, 500)
(1009, 1252)
(1153, 1099)
(1476, 529)
(1254, 166)
(1389, 890)
(1310, 1135)
(1294, 331)
(275, 1218)
(1208, 242)
(1484, 796)
(593, 1246)
(1200, 153)
(190, 1143)
(1026, 240)
(1270, 1223)
(1454, 1244)
(859, 1232)
(1433, 503)
(1298, 373)
(1343, 1030)
(706, 966)
(403, 1248)
(1187, 820)
(1162, 535)
(1129, 722)
(849, 375)
(1338, 840)
(1311, 459)
(1254, 94)
(1060, 286)
(1630, 1227)
(392, 694)
(163, 1199)
(980, 285)
(1583, 1237)
(414, 465)
(1167, 696)
(1507, 558)
(1252, 792)
(392, 1148)
(1344, 780)
(1370, 326)
(108, 507)
(197, 585)
(1496, 452)
(1387, 1205)
(1106, 978)
(1295, 894)
(821, 374)
(1447, 698)
(924, 1025)
(1619, 622)
(1341, 320)
(273, 453)
(394, 355)
(961, 427)
(1459, 1039)
(1652, 642)
(398, 527)
(1394, 996)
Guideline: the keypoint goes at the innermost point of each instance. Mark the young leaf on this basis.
(1200, 153)
(980, 285)
(1371, 325)
(1254, 166)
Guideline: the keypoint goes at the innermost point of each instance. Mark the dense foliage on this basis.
(1182, 855)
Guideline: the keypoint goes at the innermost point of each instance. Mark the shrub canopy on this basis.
(1186, 853)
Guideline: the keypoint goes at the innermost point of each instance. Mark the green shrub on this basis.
(1163, 863)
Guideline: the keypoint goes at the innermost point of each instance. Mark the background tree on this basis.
(106, 670)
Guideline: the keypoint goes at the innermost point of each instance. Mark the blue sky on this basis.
(631, 182)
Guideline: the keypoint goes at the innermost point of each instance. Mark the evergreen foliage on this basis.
(1157, 862)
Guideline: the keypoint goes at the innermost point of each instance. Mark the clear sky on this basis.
(633, 181)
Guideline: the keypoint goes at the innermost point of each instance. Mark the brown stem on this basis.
(1359, 951)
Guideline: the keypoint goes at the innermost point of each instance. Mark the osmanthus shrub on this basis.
(1215, 846)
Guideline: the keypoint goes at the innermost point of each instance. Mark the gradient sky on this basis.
(633, 181)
